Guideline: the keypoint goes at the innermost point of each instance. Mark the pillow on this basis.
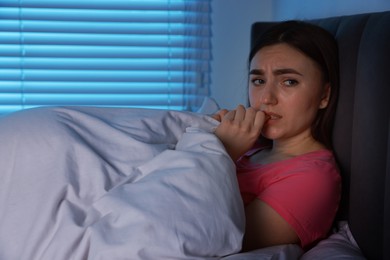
(340, 245)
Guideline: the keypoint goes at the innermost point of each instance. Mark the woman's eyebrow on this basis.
(287, 71)
(256, 72)
(276, 72)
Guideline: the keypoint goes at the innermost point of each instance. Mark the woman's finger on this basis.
(223, 112)
(240, 113)
(230, 115)
(259, 120)
(220, 114)
(250, 115)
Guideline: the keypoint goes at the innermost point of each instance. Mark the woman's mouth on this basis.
(272, 116)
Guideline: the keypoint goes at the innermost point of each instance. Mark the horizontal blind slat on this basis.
(6, 109)
(101, 51)
(101, 99)
(105, 27)
(93, 99)
(151, 16)
(13, 87)
(96, 75)
(34, 38)
(151, 64)
(114, 4)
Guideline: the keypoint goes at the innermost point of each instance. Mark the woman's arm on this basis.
(265, 227)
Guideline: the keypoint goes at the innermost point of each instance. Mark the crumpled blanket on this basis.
(112, 183)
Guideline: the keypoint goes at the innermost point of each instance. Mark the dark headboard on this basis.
(361, 132)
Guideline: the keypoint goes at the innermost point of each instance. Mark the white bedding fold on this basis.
(106, 183)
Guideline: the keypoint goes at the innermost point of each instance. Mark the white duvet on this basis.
(109, 183)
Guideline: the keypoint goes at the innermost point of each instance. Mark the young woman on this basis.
(288, 177)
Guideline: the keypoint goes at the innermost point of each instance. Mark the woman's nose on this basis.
(268, 95)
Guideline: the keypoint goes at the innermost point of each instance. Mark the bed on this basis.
(115, 183)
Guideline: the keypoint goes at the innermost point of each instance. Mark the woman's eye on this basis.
(257, 82)
(290, 82)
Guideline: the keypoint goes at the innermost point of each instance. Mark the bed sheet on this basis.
(110, 183)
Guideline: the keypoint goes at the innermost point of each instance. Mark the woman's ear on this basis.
(325, 97)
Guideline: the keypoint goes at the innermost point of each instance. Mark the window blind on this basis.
(123, 53)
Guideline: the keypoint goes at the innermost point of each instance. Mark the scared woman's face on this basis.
(288, 86)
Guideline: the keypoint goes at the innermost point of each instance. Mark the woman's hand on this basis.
(239, 129)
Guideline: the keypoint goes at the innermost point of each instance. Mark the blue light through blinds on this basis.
(125, 53)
